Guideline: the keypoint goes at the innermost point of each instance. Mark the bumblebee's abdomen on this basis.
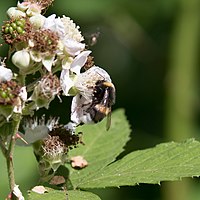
(99, 112)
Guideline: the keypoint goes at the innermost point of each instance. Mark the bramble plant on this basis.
(50, 60)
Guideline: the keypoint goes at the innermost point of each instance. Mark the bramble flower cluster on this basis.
(50, 59)
(48, 45)
(50, 141)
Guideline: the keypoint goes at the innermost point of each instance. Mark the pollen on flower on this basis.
(71, 30)
(44, 41)
(89, 63)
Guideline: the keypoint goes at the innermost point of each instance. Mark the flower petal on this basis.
(66, 82)
(79, 109)
(48, 62)
(73, 47)
(54, 24)
(35, 56)
(23, 93)
(18, 193)
(79, 61)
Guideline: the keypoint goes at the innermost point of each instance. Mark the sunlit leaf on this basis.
(165, 162)
(80, 195)
(101, 146)
(52, 194)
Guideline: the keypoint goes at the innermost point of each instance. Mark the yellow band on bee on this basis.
(103, 109)
(108, 84)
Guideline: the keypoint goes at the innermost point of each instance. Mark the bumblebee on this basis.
(102, 101)
(94, 100)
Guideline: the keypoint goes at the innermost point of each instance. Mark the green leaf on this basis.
(76, 195)
(52, 194)
(101, 146)
(165, 162)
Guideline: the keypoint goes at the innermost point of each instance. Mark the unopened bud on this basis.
(21, 59)
(14, 13)
(5, 74)
(37, 21)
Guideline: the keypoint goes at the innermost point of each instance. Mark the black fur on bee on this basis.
(102, 101)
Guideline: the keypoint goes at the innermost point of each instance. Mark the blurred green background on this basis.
(151, 50)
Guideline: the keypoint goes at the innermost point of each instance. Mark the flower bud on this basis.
(21, 59)
(14, 13)
(5, 74)
(37, 21)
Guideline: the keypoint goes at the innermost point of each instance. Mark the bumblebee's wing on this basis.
(108, 123)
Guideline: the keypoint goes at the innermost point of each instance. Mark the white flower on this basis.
(5, 74)
(79, 62)
(54, 24)
(66, 81)
(71, 30)
(64, 26)
(72, 47)
(68, 32)
(79, 109)
(68, 74)
(47, 61)
(86, 81)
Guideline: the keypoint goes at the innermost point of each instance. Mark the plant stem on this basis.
(3, 147)
(11, 145)
(9, 155)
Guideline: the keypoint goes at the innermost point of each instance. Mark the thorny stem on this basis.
(9, 154)
(11, 145)
(10, 151)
